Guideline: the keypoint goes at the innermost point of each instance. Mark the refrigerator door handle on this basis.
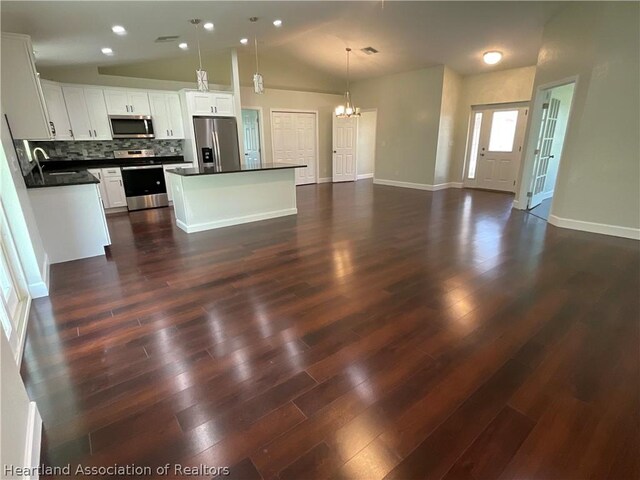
(217, 145)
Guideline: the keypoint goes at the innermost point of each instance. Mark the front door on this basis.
(344, 149)
(495, 148)
(250, 124)
(294, 141)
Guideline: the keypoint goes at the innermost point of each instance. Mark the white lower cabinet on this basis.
(111, 187)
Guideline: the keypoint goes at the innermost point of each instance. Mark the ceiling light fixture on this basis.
(492, 57)
(208, 26)
(277, 23)
(107, 51)
(183, 46)
(347, 110)
(118, 30)
(244, 41)
(201, 75)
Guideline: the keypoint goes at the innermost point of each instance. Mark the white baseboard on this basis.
(365, 175)
(34, 439)
(41, 289)
(325, 180)
(516, 205)
(602, 228)
(200, 227)
(417, 186)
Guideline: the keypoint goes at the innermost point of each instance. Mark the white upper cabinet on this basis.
(166, 115)
(58, 117)
(127, 102)
(98, 113)
(87, 113)
(209, 103)
(22, 97)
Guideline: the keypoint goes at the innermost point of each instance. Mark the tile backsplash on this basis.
(104, 149)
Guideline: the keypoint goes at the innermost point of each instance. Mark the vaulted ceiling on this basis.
(408, 35)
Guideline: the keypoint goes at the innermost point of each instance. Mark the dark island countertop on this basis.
(217, 170)
(62, 179)
(60, 165)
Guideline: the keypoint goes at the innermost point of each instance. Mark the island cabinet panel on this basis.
(205, 202)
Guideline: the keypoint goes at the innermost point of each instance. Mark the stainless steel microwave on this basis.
(131, 126)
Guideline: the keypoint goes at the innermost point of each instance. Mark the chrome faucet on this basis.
(35, 157)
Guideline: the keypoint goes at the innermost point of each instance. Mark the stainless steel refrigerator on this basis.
(217, 142)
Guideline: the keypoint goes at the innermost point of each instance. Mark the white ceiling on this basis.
(409, 35)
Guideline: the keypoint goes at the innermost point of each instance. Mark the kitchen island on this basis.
(68, 210)
(211, 197)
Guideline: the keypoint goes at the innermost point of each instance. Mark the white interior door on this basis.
(294, 141)
(495, 148)
(550, 110)
(345, 131)
(251, 126)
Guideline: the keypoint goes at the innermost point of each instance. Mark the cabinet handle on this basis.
(95, 134)
(211, 109)
(167, 133)
(71, 132)
(172, 132)
(127, 107)
(216, 109)
(131, 108)
(90, 133)
(120, 182)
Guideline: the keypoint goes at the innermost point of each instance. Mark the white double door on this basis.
(495, 148)
(345, 134)
(294, 141)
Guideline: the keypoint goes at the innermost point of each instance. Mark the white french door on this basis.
(345, 131)
(550, 110)
(495, 148)
(14, 298)
(294, 141)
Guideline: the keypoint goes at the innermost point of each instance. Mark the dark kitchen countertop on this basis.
(59, 165)
(80, 177)
(191, 172)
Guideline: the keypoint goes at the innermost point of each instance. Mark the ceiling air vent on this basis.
(167, 38)
(368, 50)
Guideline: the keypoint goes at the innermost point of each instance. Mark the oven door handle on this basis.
(143, 167)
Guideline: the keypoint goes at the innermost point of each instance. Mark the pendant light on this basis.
(258, 82)
(347, 110)
(201, 75)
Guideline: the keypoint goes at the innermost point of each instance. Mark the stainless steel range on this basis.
(144, 185)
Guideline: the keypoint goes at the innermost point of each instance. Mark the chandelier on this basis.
(348, 109)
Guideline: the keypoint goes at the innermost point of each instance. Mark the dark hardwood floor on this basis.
(381, 333)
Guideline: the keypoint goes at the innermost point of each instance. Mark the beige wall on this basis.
(295, 100)
(514, 85)
(599, 177)
(408, 107)
(366, 146)
(451, 91)
(279, 72)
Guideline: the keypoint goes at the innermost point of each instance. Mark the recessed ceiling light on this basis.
(208, 26)
(492, 57)
(183, 46)
(107, 51)
(277, 23)
(118, 30)
(244, 41)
